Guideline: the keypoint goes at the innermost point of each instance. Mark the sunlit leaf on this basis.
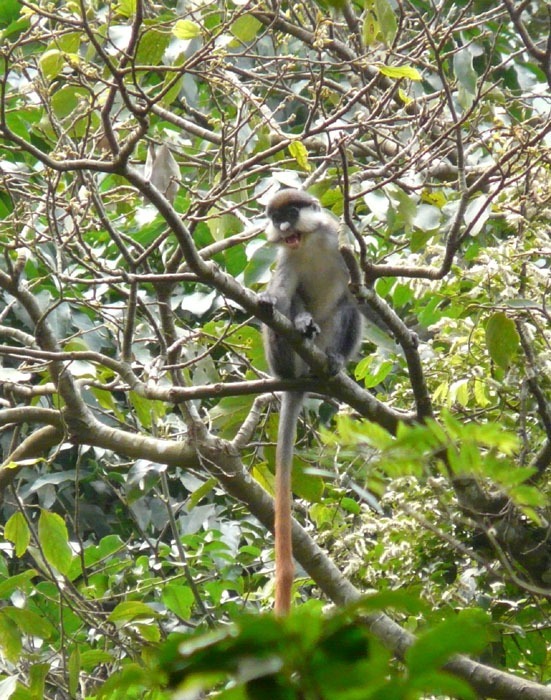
(466, 633)
(179, 599)
(299, 152)
(54, 541)
(186, 29)
(502, 339)
(397, 72)
(17, 531)
(131, 610)
(246, 27)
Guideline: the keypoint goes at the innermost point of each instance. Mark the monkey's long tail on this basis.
(291, 405)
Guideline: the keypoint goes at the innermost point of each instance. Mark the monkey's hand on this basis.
(306, 326)
(268, 302)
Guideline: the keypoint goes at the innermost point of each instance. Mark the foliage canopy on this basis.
(139, 143)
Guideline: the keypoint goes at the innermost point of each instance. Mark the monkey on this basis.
(309, 286)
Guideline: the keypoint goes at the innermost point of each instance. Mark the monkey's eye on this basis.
(290, 214)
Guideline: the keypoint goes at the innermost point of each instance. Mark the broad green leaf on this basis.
(502, 339)
(148, 411)
(51, 63)
(54, 541)
(398, 72)
(407, 600)
(307, 486)
(126, 8)
(30, 622)
(322, 515)
(69, 43)
(179, 599)
(130, 610)
(481, 393)
(298, 150)
(68, 99)
(186, 29)
(387, 20)
(37, 678)
(18, 532)
(17, 582)
(466, 633)
(350, 505)
(10, 640)
(370, 28)
(245, 28)
(445, 684)
(526, 495)
(459, 392)
(9, 12)
(94, 657)
(152, 46)
(376, 373)
(262, 474)
(150, 632)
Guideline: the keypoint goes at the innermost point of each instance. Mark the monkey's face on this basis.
(292, 215)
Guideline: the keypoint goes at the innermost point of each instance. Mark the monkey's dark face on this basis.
(292, 214)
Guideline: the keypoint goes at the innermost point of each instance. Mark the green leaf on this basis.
(403, 600)
(186, 29)
(37, 679)
(131, 610)
(94, 657)
(126, 8)
(372, 371)
(387, 20)
(17, 582)
(502, 339)
(54, 541)
(245, 28)
(201, 492)
(147, 410)
(30, 622)
(526, 495)
(307, 486)
(10, 640)
(444, 684)
(466, 633)
(9, 12)
(69, 98)
(18, 532)
(73, 668)
(152, 46)
(298, 150)
(350, 505)
(51, 63)
(398, 72)
(178, 599)
(466, 77)
(370, 29)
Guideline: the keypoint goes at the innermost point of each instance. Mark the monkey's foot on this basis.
(335, 362)
(306, 326)
(267, 302)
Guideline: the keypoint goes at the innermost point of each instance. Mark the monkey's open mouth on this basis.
(293, 241)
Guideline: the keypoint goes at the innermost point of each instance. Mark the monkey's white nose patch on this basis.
(284, 225)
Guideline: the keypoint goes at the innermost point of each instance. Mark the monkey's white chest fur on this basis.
(316, 271)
